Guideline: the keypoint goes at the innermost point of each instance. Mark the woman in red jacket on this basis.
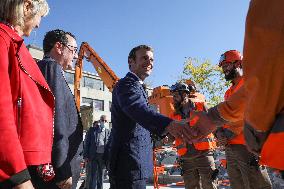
(26, 102)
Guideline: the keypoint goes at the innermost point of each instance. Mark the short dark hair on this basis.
(53, 37)
(132, 54)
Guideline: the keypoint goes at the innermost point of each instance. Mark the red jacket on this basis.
(26, 125)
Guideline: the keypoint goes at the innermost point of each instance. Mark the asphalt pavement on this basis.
(106, 186)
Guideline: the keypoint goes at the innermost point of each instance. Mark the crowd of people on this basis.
(42, 133)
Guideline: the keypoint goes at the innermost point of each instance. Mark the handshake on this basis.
(191, 130)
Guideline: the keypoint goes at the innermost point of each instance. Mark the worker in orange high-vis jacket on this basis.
(242, 166)
(196, 159)
(260, 102)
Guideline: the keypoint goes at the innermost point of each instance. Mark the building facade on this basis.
(95, 96)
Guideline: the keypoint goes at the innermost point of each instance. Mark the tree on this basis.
(208, 78)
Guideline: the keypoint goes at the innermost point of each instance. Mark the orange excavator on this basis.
(106, 74)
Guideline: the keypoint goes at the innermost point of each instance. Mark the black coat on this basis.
(132, 118)
(68, 129)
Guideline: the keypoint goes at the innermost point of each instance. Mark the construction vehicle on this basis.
(162, 100)
(106, 74)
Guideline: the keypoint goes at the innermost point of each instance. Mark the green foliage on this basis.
(208, 79)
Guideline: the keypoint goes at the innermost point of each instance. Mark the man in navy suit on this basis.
(130, 155)
(60, 50)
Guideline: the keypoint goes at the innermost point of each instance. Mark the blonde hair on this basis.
(11, 11)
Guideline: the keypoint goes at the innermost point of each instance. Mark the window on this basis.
(109, 105)
(93, 83)
(98, 105)
(69, 78)
(87, 100)
(82, 82)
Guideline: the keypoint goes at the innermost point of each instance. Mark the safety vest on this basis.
(239, 139)
(272, 152)
(204, 144)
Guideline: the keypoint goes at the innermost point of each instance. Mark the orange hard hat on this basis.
(230, 56)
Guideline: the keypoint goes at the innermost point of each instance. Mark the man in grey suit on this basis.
(130, 154)
(94, 148)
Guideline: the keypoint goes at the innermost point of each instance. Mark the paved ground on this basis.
(106, 186)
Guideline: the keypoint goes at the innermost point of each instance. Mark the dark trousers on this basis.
(242, 171)
(96, 173)
(128, 184)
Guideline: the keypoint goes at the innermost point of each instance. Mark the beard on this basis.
(231, 75)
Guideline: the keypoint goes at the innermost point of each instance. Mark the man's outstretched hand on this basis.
(201, 125)
(182, 130)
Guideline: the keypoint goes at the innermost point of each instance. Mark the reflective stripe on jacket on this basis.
(272, 153)
(204, 144)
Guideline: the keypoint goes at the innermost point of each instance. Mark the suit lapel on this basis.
(144, 92)
(137, 80)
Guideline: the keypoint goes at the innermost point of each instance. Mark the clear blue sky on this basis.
(176, 29)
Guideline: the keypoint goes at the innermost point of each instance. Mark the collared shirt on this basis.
(140, 81)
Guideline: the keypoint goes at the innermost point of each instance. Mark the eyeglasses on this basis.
(104, 121)
(74, 50)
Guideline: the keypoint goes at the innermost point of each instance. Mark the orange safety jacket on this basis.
(204, 144)
(238, 127)
(260, 102)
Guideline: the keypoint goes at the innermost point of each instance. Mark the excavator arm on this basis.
(106, 74)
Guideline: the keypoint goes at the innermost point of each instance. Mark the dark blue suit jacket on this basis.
(130, 147)
(68, 129)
